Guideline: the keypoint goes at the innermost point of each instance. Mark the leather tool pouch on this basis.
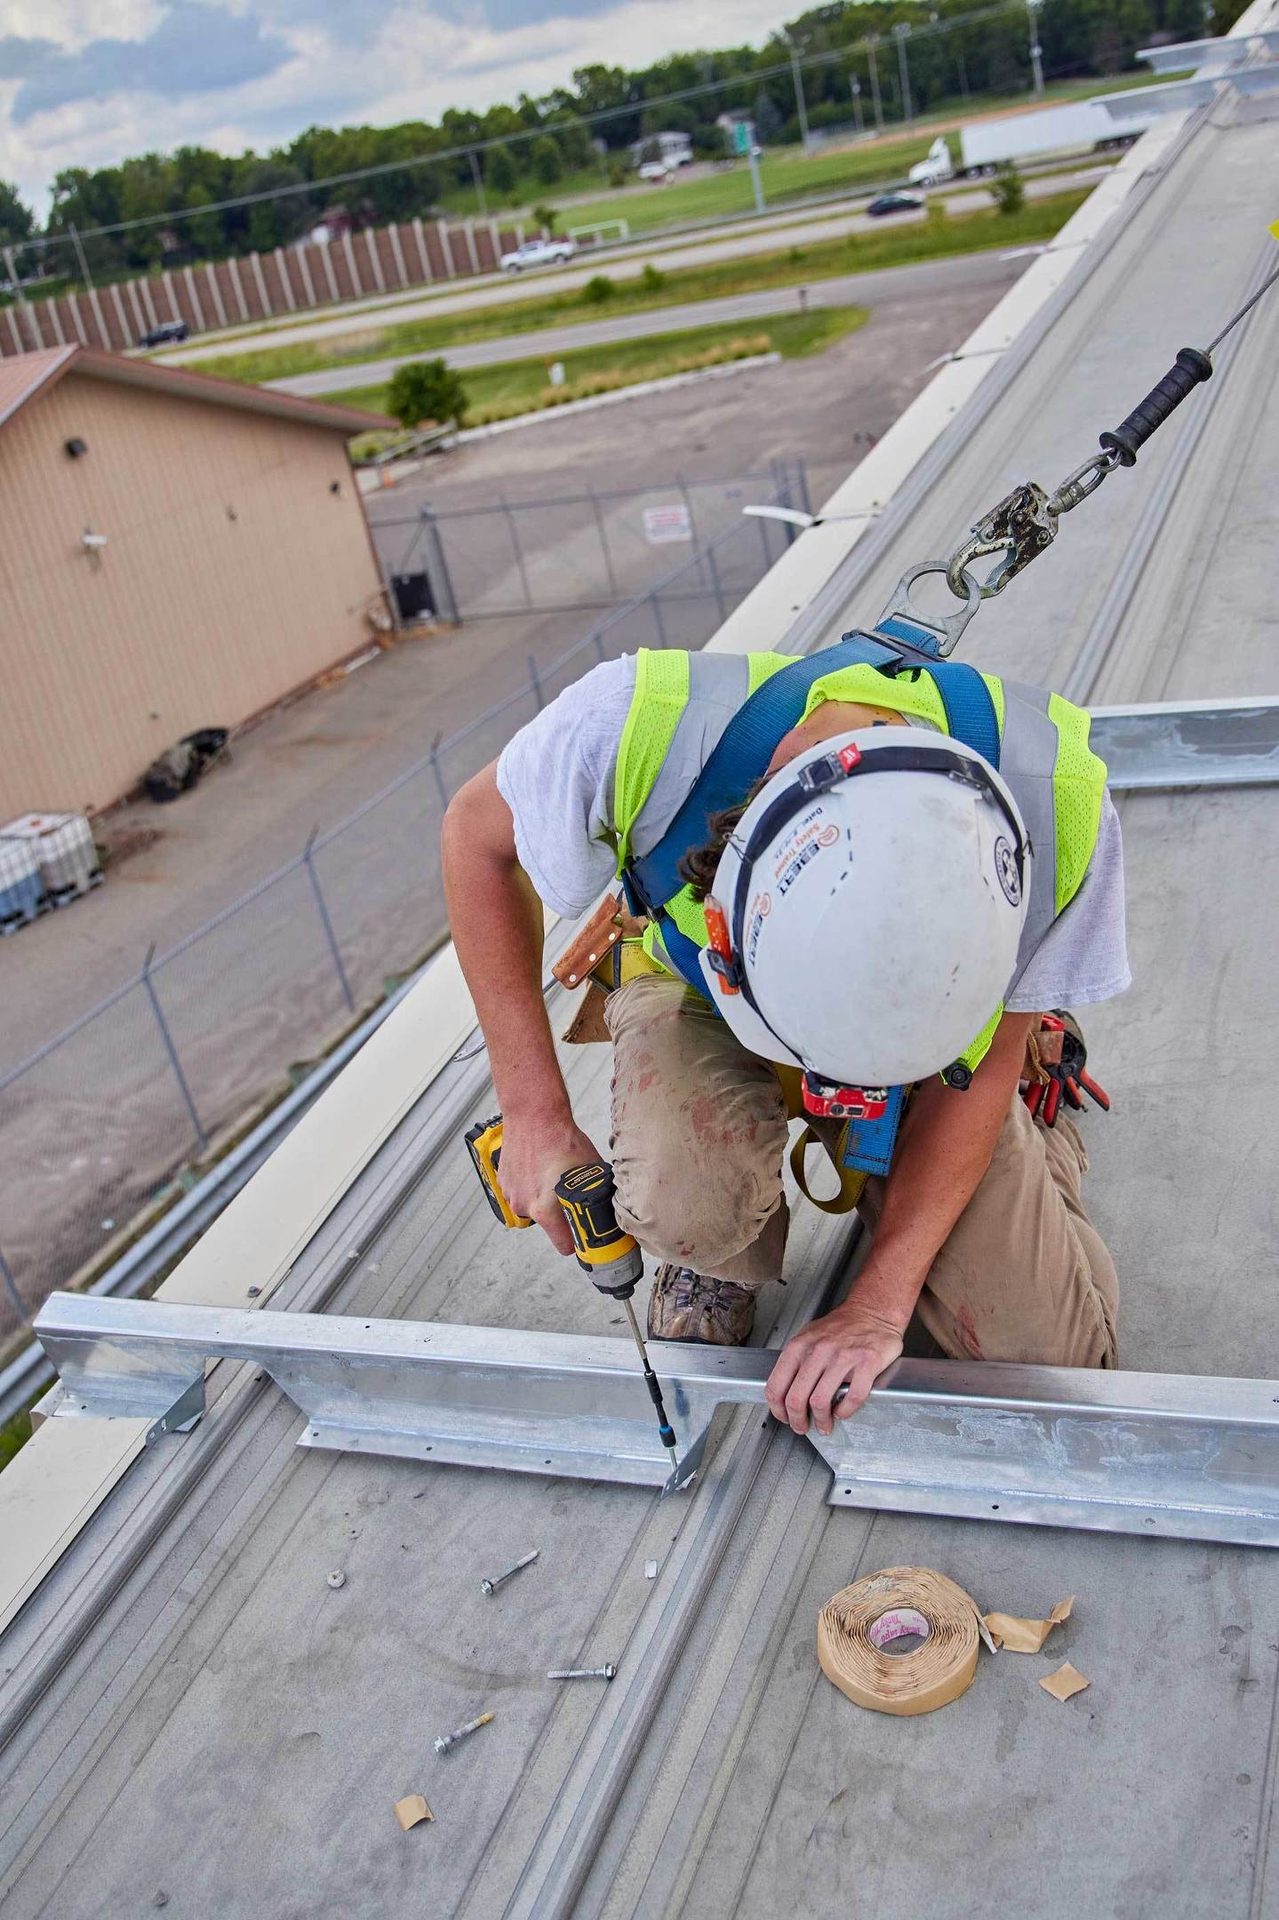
(594, 956)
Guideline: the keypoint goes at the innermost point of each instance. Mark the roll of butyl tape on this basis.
(856, 1626)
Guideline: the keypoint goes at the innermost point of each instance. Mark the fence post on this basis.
(654, 600)
(688, 508)
(519, 555)
(201, 1137)
(437, 565)
(801, 474)
(535, 682)
(717, 586)
(436, 774)
(11, 1288)
(308, 859)
(608, 558)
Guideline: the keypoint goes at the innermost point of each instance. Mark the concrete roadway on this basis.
(963, 272)
(738, 241)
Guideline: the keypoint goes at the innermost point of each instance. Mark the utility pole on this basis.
(1036, 51)
(478, 178)
(800, 106)
(19, 292)
(901, 32)
(855, 88)
(78, 244)
(876, 102)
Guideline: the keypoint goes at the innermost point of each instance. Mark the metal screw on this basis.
(582, 1673)
(491, 1586)
(444, 1741)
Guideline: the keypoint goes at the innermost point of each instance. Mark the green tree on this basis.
(16, 218)
(425, 390)
(1009, 189)
(545, 217)
(499, 171)
(547, 164)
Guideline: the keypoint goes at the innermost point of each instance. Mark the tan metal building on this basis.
(177, 552)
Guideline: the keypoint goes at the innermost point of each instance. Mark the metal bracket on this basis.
(1197, 743)
(1163, 1454)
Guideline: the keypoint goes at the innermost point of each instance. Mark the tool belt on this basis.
(605, 954)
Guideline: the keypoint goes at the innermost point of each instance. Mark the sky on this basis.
(88, 82)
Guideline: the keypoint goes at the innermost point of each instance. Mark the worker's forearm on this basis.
(947, 1142)
(496, 921)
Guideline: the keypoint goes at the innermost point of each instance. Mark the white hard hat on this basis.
(868, 907)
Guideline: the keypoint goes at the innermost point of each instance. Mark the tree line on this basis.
(581, 134)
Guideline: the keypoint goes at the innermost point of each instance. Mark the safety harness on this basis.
(741, 756)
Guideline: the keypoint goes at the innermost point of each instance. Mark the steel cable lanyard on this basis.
(903, 638)
(1026, 520)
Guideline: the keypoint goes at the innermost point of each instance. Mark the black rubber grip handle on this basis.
(1191, 366)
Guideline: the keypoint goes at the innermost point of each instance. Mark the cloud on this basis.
(174, 72)
(192, 49)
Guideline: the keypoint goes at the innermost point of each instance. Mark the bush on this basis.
(1008, 189)
(618, 173)
(650, 279)
(598, 289)
(545, 217)
(425, 390)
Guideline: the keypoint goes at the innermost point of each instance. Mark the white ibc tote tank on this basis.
(63, 845)
(22, 894)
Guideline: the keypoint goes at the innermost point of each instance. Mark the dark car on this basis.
(895, 203)
(166, 334)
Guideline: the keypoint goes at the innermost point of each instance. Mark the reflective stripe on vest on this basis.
(651, 790)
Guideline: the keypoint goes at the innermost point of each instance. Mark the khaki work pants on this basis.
(699, 1136)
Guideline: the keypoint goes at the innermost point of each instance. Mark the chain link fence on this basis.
(98, 1125)
(587, 549)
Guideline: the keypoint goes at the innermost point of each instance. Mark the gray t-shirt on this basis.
(556, 776)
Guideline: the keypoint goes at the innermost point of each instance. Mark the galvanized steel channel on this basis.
(1152, 1454)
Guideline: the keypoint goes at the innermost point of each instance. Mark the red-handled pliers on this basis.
(1069, 1077)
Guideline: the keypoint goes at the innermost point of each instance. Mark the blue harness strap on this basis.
(970, 711)
(741, 754)
(747, 744)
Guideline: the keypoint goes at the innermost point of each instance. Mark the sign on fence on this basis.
(667, 526)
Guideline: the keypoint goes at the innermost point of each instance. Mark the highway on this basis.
(924, 280)
(737, 241)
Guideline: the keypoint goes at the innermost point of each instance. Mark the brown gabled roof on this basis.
(28, 374)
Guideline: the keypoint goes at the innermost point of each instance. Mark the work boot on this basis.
(690, 1306)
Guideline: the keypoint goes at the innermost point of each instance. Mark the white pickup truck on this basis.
(538, 253)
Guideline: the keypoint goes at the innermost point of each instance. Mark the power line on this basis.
(173, 216)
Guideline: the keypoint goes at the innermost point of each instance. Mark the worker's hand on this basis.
(535, 1155)
(849, 1346)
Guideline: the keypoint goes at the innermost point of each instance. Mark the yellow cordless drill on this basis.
(610, 1258)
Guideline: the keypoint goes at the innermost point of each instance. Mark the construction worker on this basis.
(891, 920)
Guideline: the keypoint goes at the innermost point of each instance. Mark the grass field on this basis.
(786, 172)
(788, 267)
(498, 393)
